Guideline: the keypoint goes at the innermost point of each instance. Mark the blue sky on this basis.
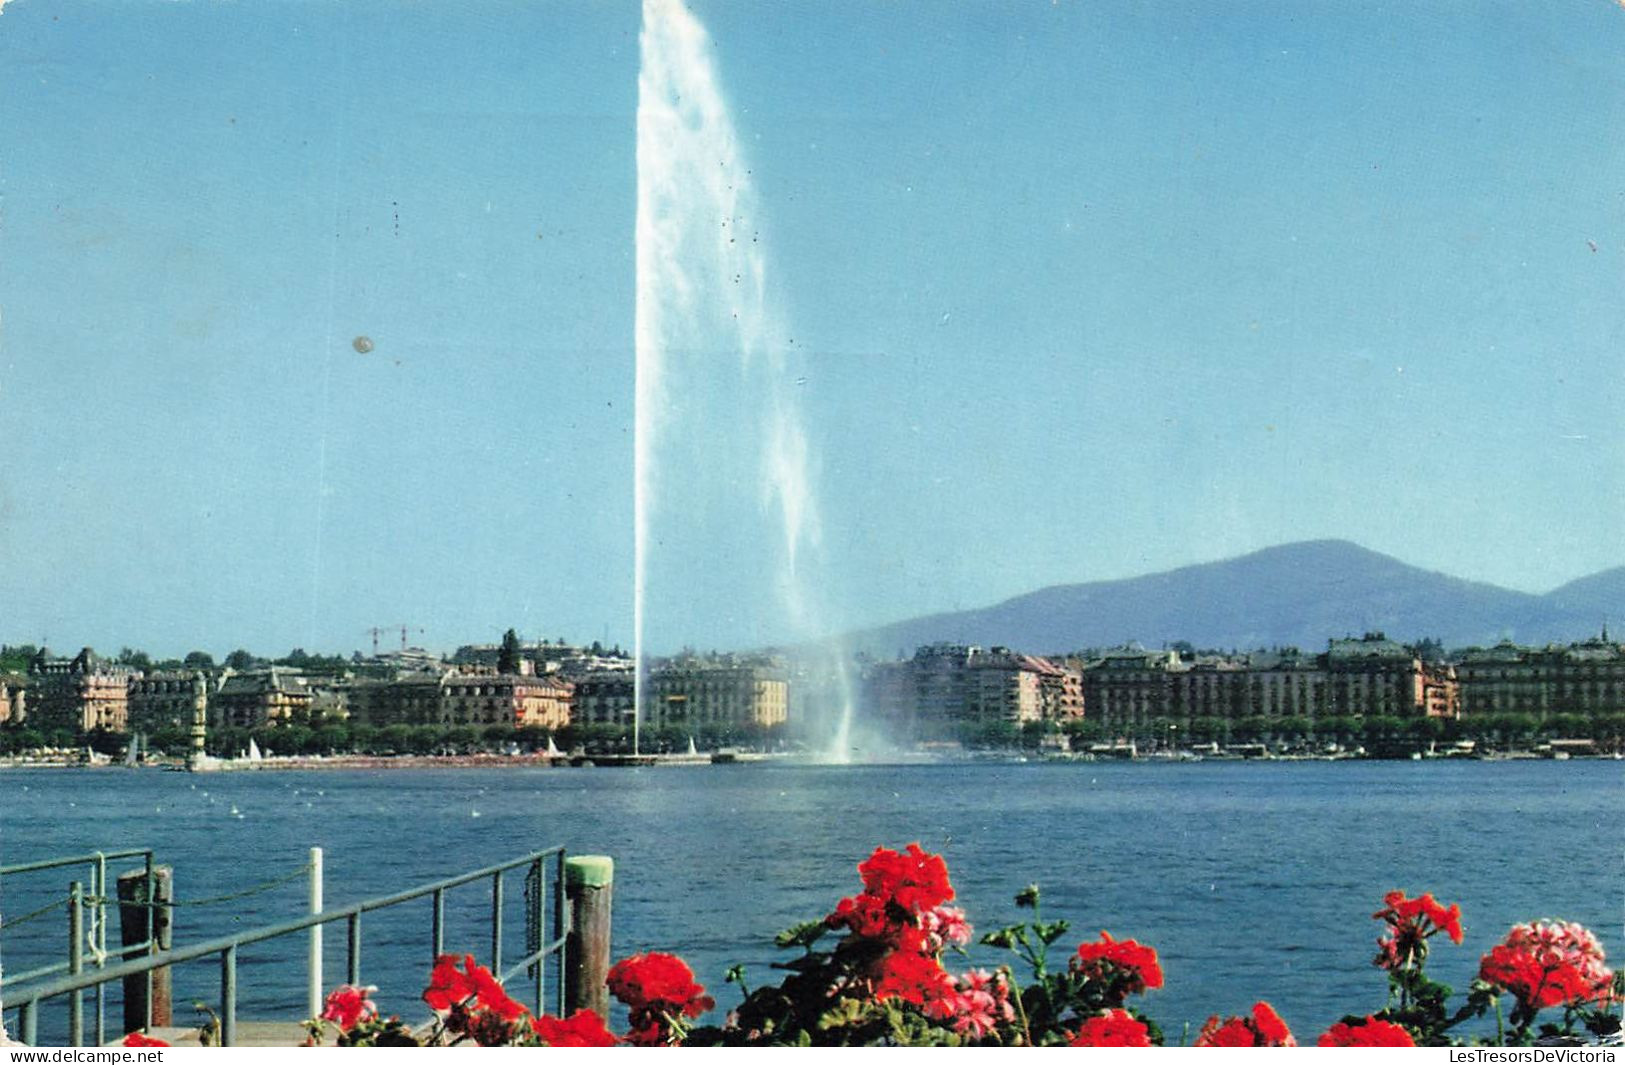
(1081, 291)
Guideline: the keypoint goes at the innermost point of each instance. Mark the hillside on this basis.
(1296, 594)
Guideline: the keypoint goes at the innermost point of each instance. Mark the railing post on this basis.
(589, 881)
(98, 940)
(437, 929)
(353, 967)
(28, 1022)
(76, 962)
(144, 922)
(536, 899)
(228, 996)
(314, 998)
(496, 925)
(149, 937)
(560, 915)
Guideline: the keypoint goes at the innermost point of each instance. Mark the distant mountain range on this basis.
(1294, 595)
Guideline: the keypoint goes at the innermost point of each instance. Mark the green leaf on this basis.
(1004, 937)
(804, 934)
(1027, 897)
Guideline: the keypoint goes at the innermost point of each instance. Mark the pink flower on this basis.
(945, 925)
(976, 1004)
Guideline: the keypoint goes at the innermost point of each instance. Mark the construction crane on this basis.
(378, 630)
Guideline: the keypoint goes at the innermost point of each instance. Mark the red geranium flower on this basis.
(914, 880)
(1132, 967)
(472, 1000)
(658, 989)
(1367, 1033)
(584, 1028)
(1263, 1029)
(1548, 963)
(1114, 1028)
(912, 977)
(136, 1039)
(447, 986)
(864, 914)
(348, 1006)
(1411, 923)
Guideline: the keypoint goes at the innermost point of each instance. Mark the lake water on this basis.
(1253, 880)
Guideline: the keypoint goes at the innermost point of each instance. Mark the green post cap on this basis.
(589, 870)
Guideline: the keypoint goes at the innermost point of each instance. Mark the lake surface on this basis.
(1253, 880)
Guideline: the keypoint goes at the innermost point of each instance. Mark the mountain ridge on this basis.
(1297, 594)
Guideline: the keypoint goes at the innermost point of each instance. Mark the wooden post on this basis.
(139, 903)
(589, 884)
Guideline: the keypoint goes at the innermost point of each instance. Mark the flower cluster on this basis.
(1114, 1028)
(902, 917)
(974, 1004)
(583, 1028)
(471, 1002)
(349, 1006)
(470, 1006)
(660, 993)
(1411, 923)
(1548, 963)
(1121, 967)
(1263, 1029)
(1370, 1032)
(883, 982)
(137, 1039)
(901, 889)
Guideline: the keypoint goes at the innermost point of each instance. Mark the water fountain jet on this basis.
(703, 309)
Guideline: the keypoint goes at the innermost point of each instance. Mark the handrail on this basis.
(75, 904)
(77, 859)
(27, 999)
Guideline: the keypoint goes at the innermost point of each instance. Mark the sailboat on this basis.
(254, 754)
(552, 749)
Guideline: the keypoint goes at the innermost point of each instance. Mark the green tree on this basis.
(195, 660)
(331, 737)
(16, 659)
(497, 737)
(395, 739)
(241, 660)
(508, 656)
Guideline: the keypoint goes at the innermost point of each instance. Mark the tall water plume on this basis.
(718, 423)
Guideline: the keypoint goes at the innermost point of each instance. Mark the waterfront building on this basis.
(888, 696)
(1130, 687)
(1373, 676)
(255, 698)
(947, 685)
(13, 699)
(688, 692)
(409, 699)
(82, 693)
(1579, 678)
(505, 699)
(606, 697)
(159, 701)
(1003, 685)
(1133, 690)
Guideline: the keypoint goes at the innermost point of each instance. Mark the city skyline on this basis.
(300, 340)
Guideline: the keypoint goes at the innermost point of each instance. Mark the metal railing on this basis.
(77, 902)
(26, 1000)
